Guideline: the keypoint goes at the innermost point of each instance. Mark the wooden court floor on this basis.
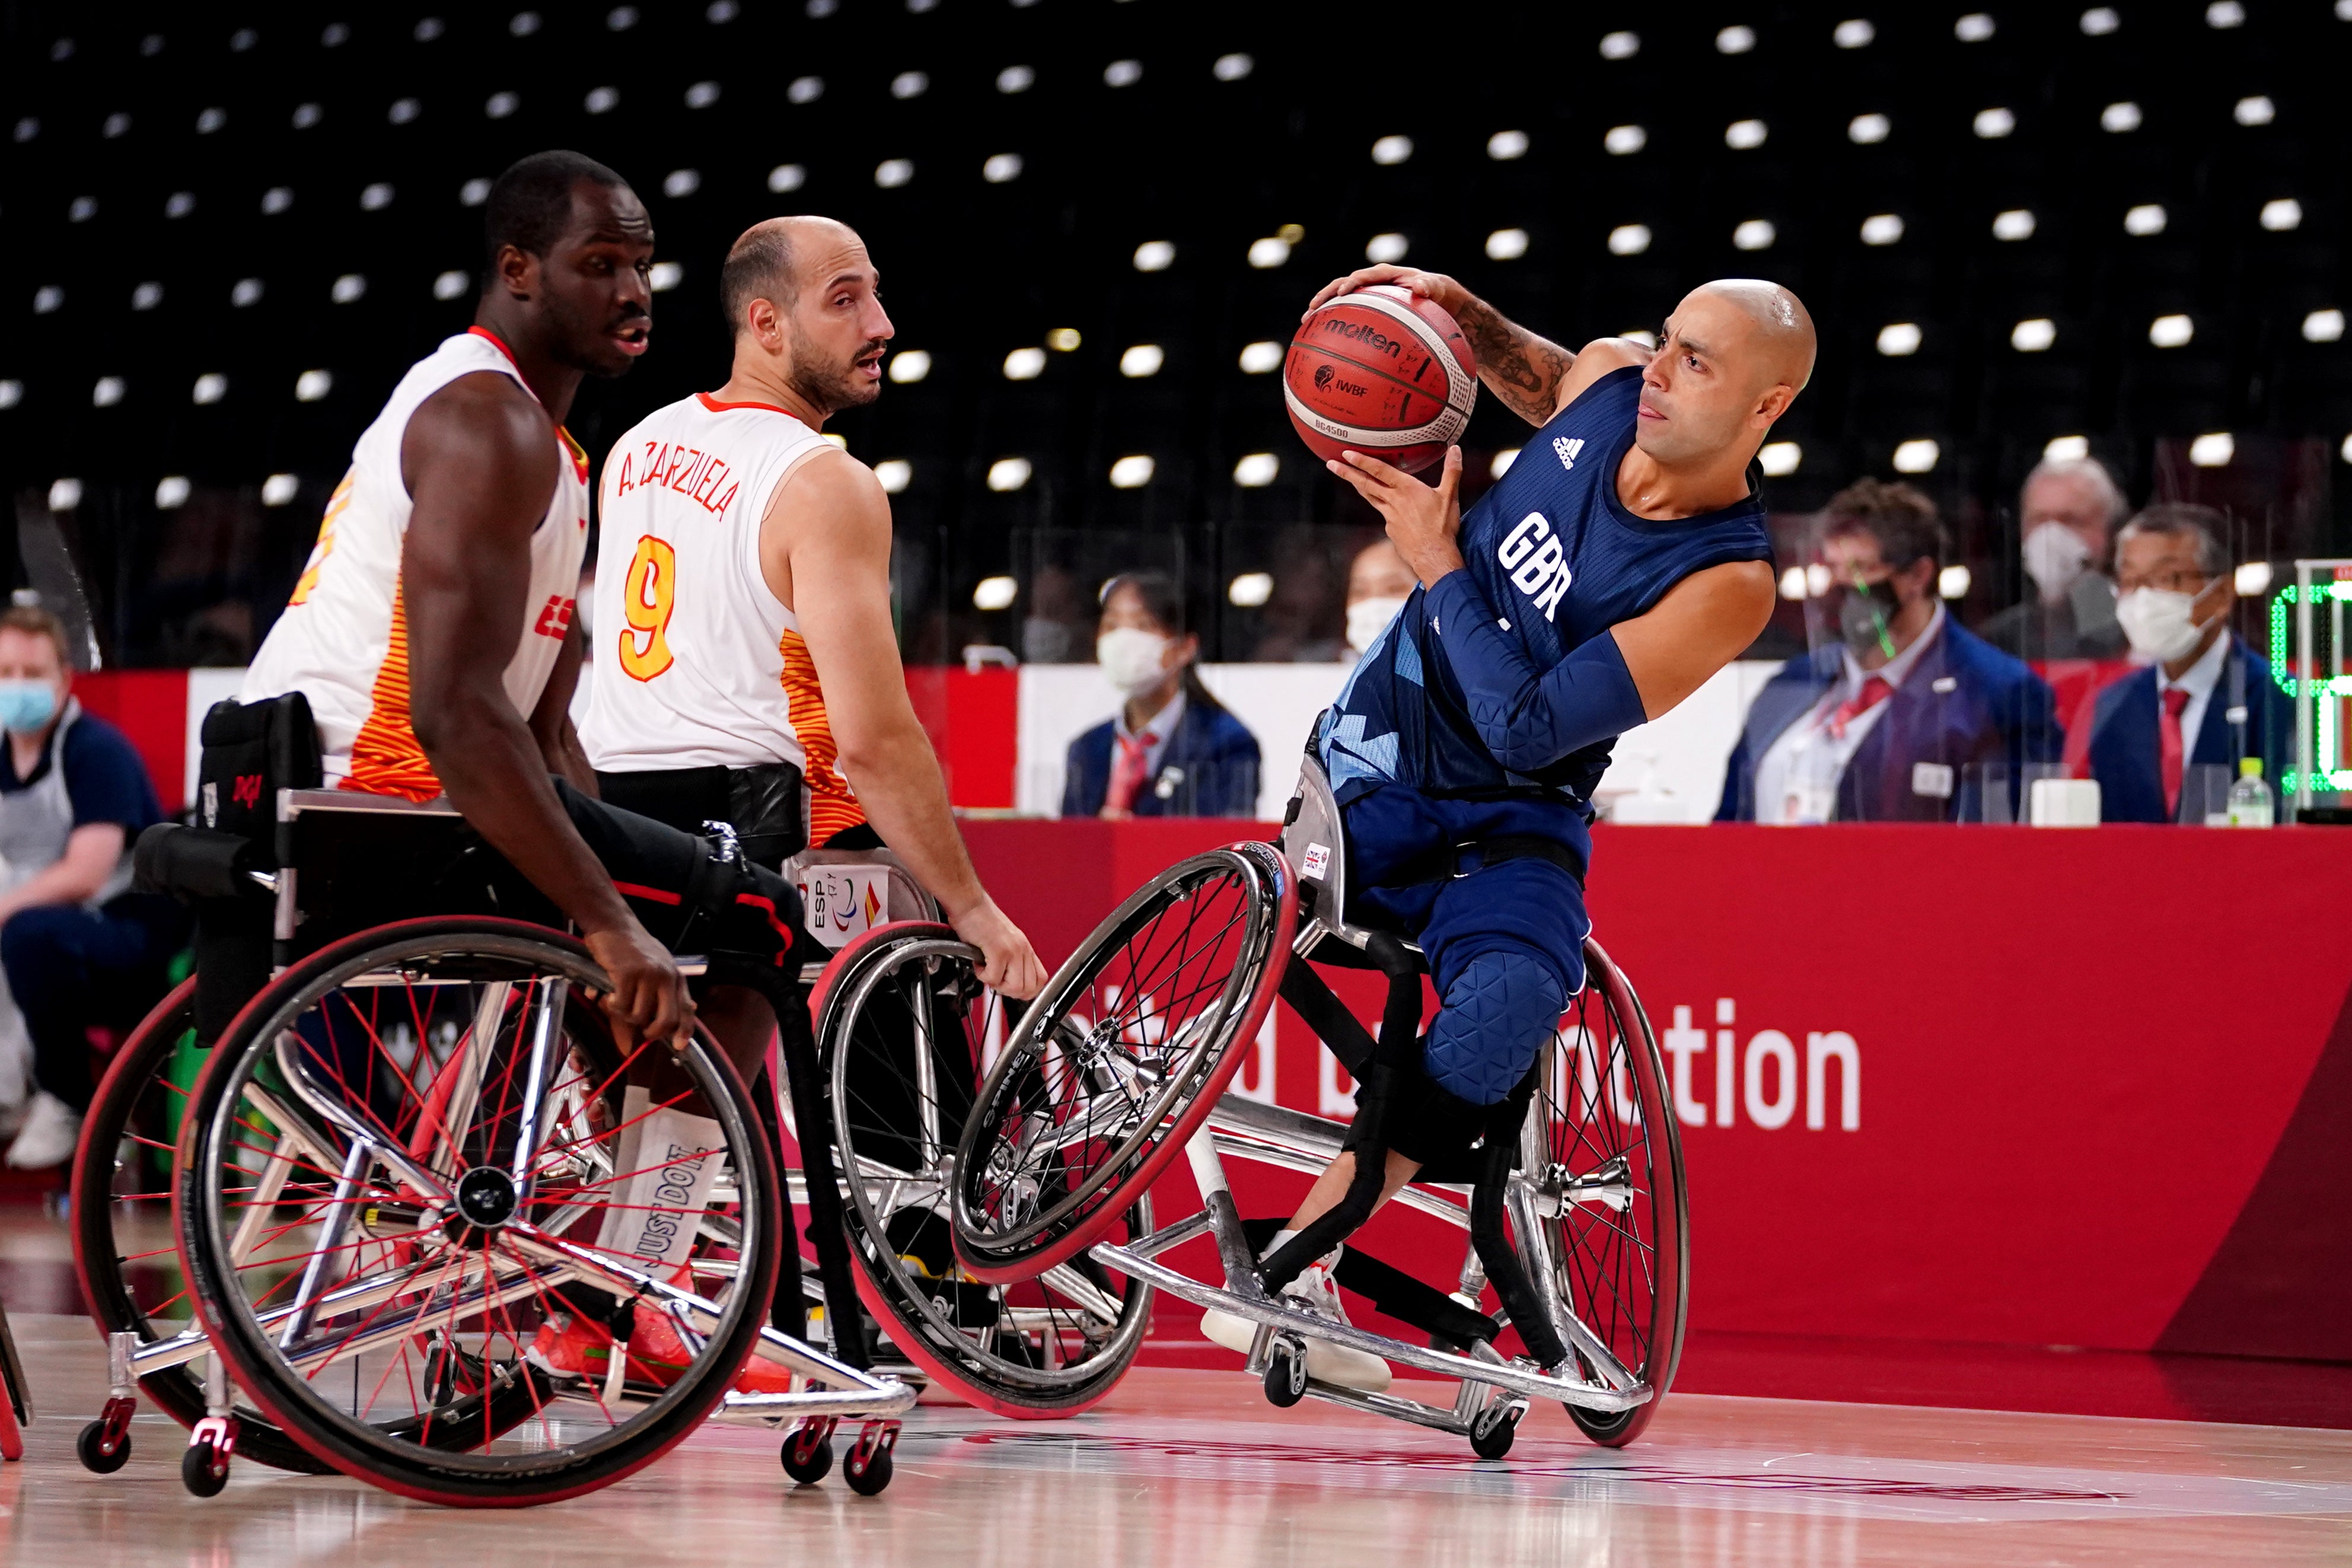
(1192, 1467)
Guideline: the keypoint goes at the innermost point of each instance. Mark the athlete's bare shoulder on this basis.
(485, 429)
(1597, 359)
(832, 489)
(830, 519)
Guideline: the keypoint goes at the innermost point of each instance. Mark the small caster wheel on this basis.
(1286, 1374)
(90, 1447)
(198, 1472)
(867, 1473)
(808, 1456)
(1491, 1433)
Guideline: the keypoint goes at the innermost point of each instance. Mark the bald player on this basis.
(1618, 564)
(746, 660)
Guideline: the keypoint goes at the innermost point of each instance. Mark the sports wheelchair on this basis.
(1573, 1199)
(385, 1164)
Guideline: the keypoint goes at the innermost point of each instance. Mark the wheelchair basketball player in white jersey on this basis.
(747, 661)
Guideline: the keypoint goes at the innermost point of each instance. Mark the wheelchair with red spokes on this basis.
(359, 1237)
(1573, 1198)
(426, 1042)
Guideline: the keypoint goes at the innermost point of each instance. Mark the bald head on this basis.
(772, 260)
(1782, 329)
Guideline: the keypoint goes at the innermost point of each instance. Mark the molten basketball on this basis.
(1382, 373)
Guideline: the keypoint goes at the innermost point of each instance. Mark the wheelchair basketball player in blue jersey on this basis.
(1618, 564)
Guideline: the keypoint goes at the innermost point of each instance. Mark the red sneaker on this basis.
(569, 1345)
(654, 1338)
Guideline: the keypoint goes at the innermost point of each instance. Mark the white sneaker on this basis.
(51, 1129)
(1326, 1362)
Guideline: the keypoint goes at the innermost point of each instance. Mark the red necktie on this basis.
(1874, 692)
(2167, 748)
(1128, 769)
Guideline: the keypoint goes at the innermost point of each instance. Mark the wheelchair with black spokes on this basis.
(1572, 1286)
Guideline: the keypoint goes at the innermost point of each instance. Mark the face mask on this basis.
(2159, 624)
(1133, 658)
(1866, 616)
(2055, 555)
(26, 705)
(1368, 618)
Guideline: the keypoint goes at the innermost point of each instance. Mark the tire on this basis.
(896, 1115)
(1065, 1140)
(869, 1478)
(120, 1216)
(197, 1474)
(1602, 1097)
(96, 1460)
(1286, 1374)
(807, 1471)
(335, 1017)
(1491, 1439)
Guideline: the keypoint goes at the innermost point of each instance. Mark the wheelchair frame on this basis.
(834, 1388)
(1493, 1391)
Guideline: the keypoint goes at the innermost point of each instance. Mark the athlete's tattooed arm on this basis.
(1524, 369)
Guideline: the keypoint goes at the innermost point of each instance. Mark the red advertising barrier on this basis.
(2031, 1088)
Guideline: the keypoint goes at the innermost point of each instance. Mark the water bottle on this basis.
(2250, 798)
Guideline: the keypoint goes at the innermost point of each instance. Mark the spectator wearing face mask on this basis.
(1173, 749)
(2067, 511)
(1379, 583)
(2205, 697)
(1888, 722)
(79, 948)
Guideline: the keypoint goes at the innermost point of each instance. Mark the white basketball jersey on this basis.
(342, 641)
(698, 663)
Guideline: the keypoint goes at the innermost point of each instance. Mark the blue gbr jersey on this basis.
(1559, 560)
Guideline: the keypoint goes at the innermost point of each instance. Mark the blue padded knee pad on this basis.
(1498, 1011)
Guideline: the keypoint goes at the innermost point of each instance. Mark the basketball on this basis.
(1379, 372)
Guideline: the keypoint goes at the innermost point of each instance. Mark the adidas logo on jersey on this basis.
(1537, 561)
(1567, 447)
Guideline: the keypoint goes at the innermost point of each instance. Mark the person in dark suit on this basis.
(1894, 720)
(1173, 749)
(2205, 697)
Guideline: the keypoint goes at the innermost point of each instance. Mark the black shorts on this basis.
(762, 804)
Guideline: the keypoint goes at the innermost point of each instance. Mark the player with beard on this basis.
(748, 662)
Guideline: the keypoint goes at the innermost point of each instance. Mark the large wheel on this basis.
(1602, 1144)
(1118, 1063)
(124, 1253)
(122, 1215)
(904, 1029)
(385, 1238)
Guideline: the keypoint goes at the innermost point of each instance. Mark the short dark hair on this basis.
(531, 204)
(2203, 524)
(759, 266)
(1899, 516)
